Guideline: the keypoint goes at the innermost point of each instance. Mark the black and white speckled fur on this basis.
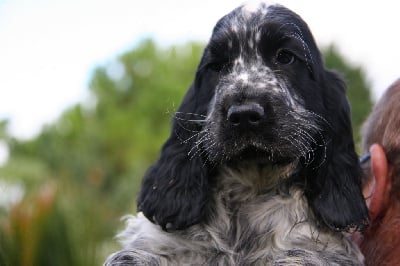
(269, 228)
(275, 189)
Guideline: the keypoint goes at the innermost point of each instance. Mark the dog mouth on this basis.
(259, 155)
(252, 131)
(256, 153)
(260, 144)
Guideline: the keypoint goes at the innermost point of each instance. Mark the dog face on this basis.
(261, 95)
(266, 96)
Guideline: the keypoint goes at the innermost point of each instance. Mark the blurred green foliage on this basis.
(358, 88)
(82, 172)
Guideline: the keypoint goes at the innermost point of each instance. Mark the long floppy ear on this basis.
(174, 191)
(334, 191)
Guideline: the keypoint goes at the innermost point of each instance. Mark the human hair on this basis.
(383, 127)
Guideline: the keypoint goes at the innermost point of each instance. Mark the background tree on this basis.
(82, 172)
(358, 88)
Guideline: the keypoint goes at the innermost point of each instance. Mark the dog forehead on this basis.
(256, 6)
(254, 16)
(250, 14)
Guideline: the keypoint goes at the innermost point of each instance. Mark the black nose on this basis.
(245, 115)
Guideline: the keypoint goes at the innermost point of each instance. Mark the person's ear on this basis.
(377, 191)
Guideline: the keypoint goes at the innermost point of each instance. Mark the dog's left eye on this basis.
(285, 57)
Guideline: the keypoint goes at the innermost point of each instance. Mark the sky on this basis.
(49, 48)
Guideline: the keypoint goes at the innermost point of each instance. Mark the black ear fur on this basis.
(334, 187)
(174, 191)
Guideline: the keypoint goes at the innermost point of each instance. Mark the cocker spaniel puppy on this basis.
(260, 167)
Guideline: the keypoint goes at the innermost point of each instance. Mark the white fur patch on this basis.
(254, 6)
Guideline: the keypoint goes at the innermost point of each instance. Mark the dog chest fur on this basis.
(248, 226)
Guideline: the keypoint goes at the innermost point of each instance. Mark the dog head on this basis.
(261, 95)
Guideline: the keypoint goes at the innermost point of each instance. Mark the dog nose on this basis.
(245, 115)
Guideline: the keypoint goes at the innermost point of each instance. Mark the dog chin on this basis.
(260, 156)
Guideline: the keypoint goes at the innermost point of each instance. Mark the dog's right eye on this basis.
(285, 57)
